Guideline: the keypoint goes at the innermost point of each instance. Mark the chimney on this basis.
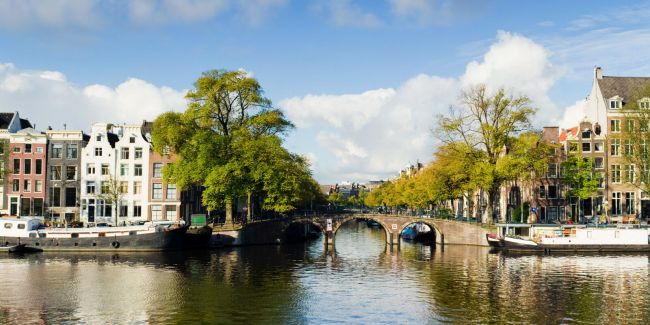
(598, 73)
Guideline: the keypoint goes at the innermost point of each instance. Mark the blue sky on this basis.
(363, 80)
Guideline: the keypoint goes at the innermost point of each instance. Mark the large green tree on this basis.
(488, 123)
(578, 176)
(635, 139)
(229, 140)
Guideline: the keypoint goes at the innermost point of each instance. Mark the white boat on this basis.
(31, 233)
(570, 238)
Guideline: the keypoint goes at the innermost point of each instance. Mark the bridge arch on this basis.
(340, 222)
(427, 221)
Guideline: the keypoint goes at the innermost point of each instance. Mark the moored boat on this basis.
(570, 238)
(19, 249)
(30, 232)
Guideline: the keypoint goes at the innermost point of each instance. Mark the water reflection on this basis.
(361, 280)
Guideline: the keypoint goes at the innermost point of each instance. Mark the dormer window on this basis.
(644, 103)
(615, 102)
(98, 137)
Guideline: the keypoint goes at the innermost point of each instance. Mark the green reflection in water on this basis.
(360, 281)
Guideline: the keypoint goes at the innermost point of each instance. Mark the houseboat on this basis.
(30, 232)
(570, 238)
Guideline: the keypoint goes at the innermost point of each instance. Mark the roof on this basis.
(24, 124)
(565, 133)
(5, 120)
(112, 138)
(625, 87)
(147, 128)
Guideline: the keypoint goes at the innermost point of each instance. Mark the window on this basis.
(70, 196)
(39, 166)
(170, 212)
(586, 147)
(137, 171)
(56, 150)
(573, 147)
(70, 173)
(124, 153)
(616, 147)
(552, 170)
(90, 187)
(124, 187)
(601, 180)
(629, 173)
(8, 225)
(28, 148)
(586, 134)
(615, 125)
(15, 186)
(138, 153)
(72, 152)
(39, 149)
(643, 126)
(55, 173)
(542, 191)
(156, 212)
(616, 203)
(628, 149)
(132, 140)
(629, 125)
(124, 169)
(137, 209)
(157, 170)
(598, 147)
(27, 185)
(644, 104)
(630, 206)
(105, 187)
(616, 173)
(157, 191)
(90, 169)
(105, 169)
(38, 186)
(16, 166)
(16, 149)
(171, 192)
(124, 209)
(137, 187)
(28, 166)
(552, 191)
(98, 137)
(599, 162)
(614, 103)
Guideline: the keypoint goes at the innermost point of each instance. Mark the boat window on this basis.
(21, 226)
(8, 225)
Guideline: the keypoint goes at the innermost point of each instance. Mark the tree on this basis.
(577, 174)
(111, 192)
(487, 123)
(229, 140)
(635, 139)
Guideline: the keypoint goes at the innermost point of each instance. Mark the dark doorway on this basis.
(645, 209)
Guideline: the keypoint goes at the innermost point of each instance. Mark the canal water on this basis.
(360, 281)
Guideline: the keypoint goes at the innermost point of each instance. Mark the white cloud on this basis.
(375, 133)
(47, 98)
(52, 13)
(574, 114)
(345, 13)
(426, 12)
(163, 11)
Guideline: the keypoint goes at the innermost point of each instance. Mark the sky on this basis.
(363, 81)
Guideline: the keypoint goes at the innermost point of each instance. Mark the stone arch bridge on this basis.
(446, 231)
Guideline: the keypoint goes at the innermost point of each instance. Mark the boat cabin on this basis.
(18, 227)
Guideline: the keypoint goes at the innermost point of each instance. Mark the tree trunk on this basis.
(488, 214)
(249, 207)
(228, 211)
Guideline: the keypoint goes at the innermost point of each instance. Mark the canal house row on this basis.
(62, 175)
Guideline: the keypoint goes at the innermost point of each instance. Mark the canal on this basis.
(360, 281)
